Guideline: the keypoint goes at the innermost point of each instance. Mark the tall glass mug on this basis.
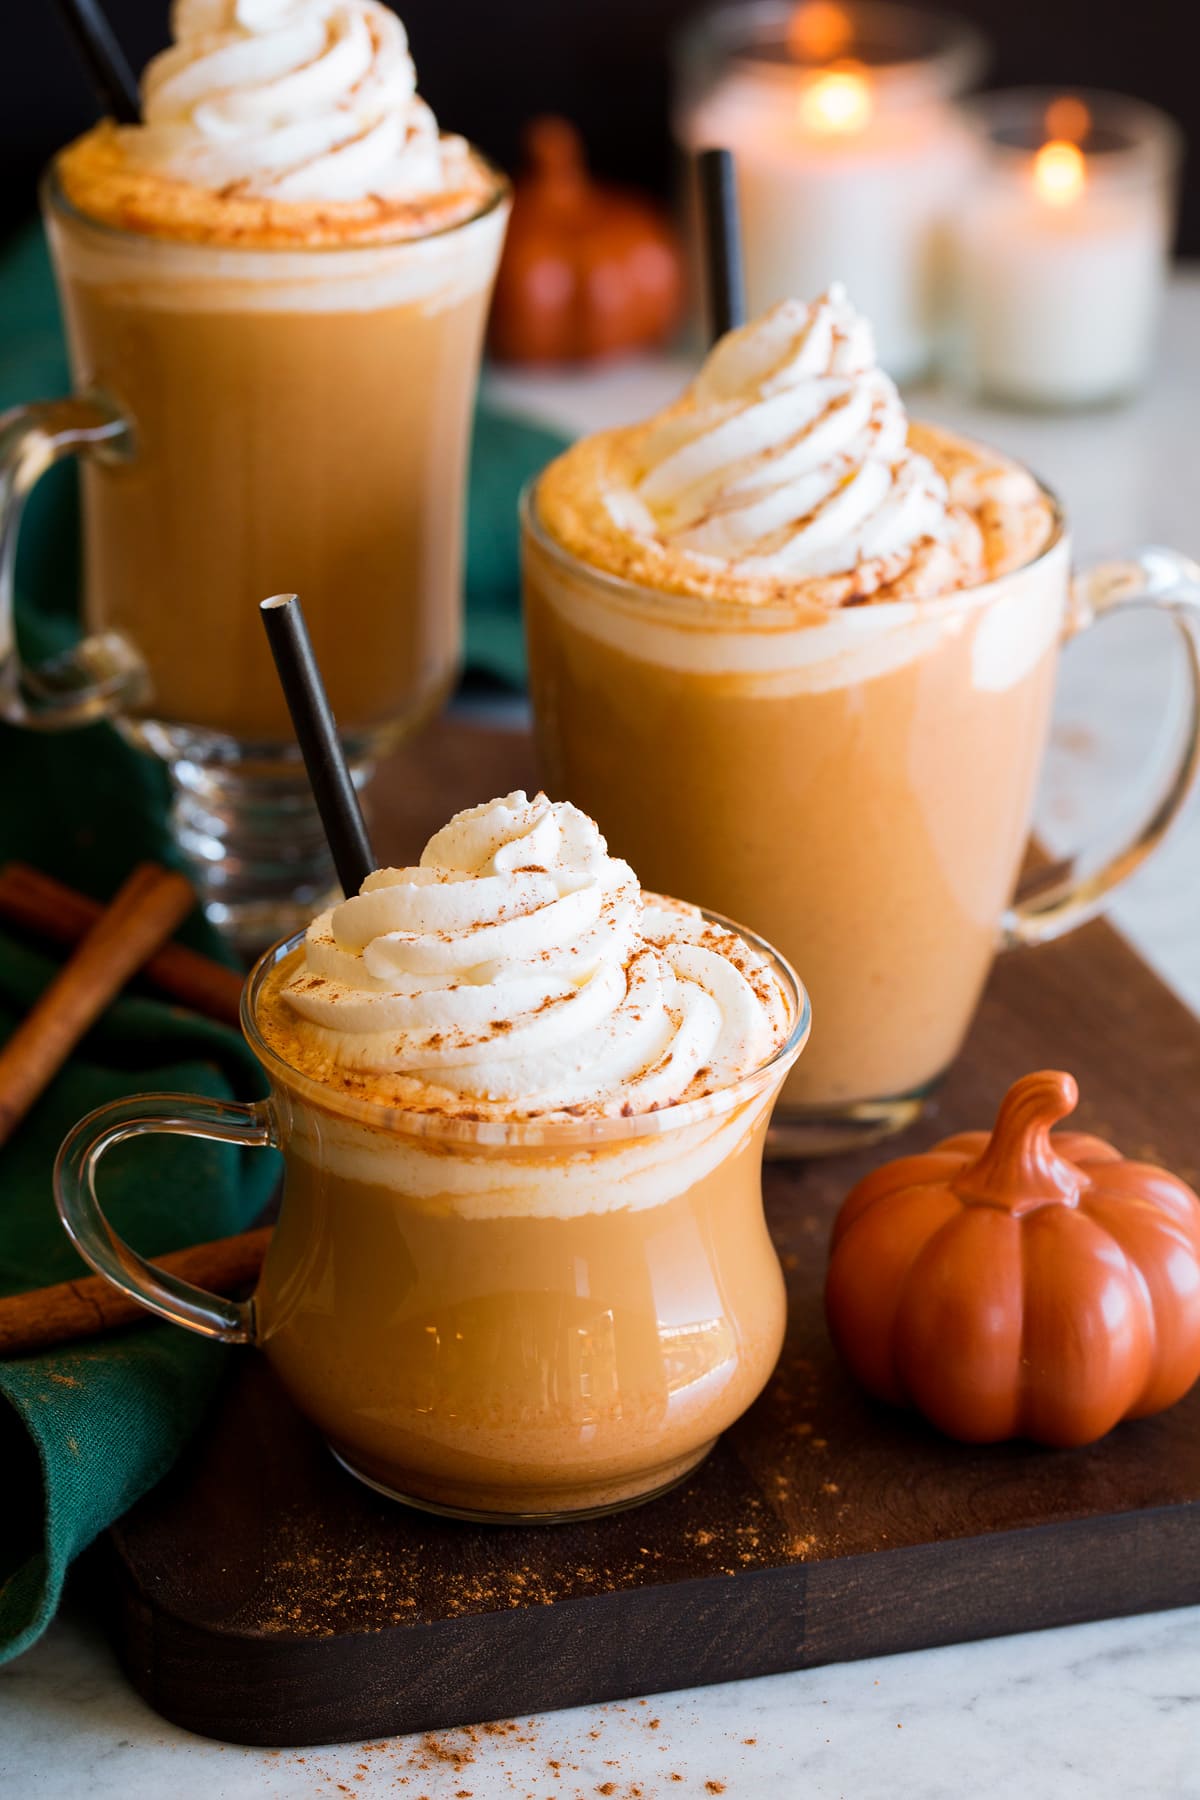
(860, 789)
(251, 420)
(515, 1322)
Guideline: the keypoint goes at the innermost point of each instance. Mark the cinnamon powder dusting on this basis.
(524, 1759)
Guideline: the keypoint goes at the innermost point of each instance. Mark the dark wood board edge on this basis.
(274, 1692)
(1072, 1572)
(463, 1671)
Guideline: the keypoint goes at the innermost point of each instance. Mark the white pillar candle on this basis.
(1061, 250)
(850, 155)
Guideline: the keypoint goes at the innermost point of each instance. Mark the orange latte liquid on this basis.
(491, 1360)
(300, 422)
(859, 793)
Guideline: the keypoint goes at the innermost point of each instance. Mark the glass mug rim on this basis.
(1155, 142)
(943, 52)
(548, 1134)
(53, 198)
(741, 615)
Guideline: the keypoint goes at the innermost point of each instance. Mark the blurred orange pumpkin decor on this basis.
(588, 270)
(1019, 1285)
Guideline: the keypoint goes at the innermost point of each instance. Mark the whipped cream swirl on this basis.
(295, 100)
(788, 455)
(520, 969)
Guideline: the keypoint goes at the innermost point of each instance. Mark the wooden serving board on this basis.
(263, 1596)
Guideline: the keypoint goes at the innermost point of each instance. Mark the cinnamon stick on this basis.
(39, 903)
(143, 915)
(85, 1308)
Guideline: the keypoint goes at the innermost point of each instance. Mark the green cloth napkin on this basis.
(33, 366)
(85, 1431)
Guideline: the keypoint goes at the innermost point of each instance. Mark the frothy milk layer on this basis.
(774, 651)
(279, 122)
(624, 1176)
(519, 975)
(787, 476)
(432, 272)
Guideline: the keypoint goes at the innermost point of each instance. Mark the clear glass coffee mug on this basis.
(246, 420)
(861, 789)
(504, 1322)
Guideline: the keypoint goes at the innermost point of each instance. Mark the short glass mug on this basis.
(860, 789)
(504, 1322)
(250, 420)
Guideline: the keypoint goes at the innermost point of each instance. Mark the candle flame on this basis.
(839, 102)
(1059, 173)
(1068, 117)
(819, 32)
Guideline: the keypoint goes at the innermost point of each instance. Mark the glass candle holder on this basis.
(1061, 254)
(850, 151)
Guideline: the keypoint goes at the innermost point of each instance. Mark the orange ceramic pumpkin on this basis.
(587, 269)
(1020, 1285)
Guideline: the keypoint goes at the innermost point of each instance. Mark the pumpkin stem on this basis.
(1019, 1169)
(555, 156)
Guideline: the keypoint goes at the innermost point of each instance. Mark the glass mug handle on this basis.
(225, 1121)
(102, 673)
(1054, 900)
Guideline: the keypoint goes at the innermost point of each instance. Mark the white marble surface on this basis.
(1103, 1710)
(1099, 1710)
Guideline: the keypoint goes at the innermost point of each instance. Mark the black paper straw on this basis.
(317, 735)
(722, 242)
(104, 59)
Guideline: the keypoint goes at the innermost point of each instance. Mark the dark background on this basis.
(486, 65)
